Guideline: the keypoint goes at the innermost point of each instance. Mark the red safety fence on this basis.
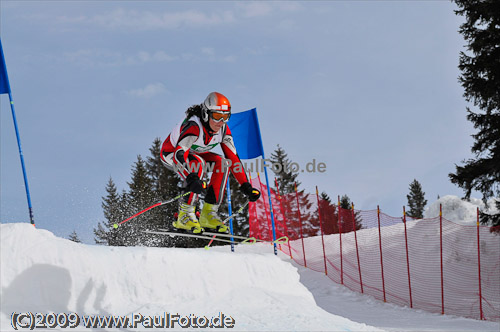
(430, 264)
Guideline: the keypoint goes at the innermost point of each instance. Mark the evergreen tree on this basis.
(329, 214)
(310, 217)
(345, 202)
(481, 80)
(140, 196)
(101, 234)
(114, 212)
(346, 220)
(324, 196)
(283, 171)
(416, 200)
(74, 237)
(126, 234)
(288, 187)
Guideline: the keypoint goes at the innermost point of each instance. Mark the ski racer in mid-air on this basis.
(187, 151)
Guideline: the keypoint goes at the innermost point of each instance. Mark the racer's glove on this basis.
(194, 184)
(253, 194)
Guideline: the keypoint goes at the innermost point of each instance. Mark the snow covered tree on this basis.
(480, 78)
(416, 200)
(74, 237)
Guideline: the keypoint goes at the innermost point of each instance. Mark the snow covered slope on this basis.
(43, 273)
(460, 261)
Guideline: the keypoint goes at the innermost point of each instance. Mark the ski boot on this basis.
(186, 219)
(210, 219)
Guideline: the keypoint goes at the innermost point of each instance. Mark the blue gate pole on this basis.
(268, 188)
(32, 219)
(271, 209)
(230, 211)
(30, 207)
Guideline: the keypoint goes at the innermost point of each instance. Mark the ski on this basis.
(230, 235)
(221, 237)
(198, 236)
(217, 234)
(281, 240)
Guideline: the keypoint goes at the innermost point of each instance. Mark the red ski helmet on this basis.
(216, 103)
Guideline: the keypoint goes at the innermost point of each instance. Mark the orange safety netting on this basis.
(430, 264)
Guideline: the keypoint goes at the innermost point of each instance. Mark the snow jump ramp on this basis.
(41, 273)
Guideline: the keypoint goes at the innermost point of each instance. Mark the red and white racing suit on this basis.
(187, 150)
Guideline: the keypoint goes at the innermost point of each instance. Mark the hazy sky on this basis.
(370, 88)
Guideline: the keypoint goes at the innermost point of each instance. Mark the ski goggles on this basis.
(220, 116)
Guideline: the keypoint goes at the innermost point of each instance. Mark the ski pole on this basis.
(225, 220)
(152, 207)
